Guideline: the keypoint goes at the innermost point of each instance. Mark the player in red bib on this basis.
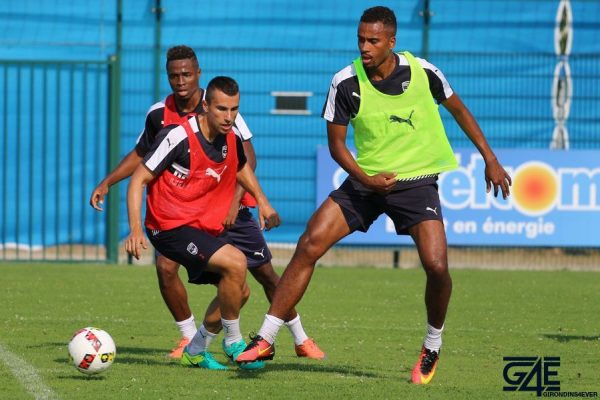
(242, 229)
(189, 194)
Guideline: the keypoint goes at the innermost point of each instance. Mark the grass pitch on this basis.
(370, 322)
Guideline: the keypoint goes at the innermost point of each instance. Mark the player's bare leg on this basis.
(325, 228)
(268, 278)
(430, 239)
(175, 297)
(304, 346)
(212, 316)
(230, 263)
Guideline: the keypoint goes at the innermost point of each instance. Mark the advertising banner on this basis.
(554, 200)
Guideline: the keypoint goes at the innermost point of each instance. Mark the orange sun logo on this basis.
(535, 188)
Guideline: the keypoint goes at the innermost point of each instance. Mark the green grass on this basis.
(370, 322)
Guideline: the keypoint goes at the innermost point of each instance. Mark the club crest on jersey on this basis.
(192, 248)
(224, 152)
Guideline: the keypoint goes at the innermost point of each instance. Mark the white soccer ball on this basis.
(92, 350)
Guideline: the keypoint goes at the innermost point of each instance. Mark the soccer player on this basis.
(183, 72)
(390, 99)
(190, 174)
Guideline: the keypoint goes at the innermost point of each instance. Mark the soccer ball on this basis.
(92, 350)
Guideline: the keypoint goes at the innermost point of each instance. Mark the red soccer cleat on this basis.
(424, 370)
(309, 349)
(257, 349)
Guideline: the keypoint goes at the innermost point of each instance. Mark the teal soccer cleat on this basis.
(201, 360)
(235, 349)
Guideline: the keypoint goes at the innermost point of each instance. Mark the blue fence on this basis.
(500, 56)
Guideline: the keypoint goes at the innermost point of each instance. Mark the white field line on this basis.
(26, 375)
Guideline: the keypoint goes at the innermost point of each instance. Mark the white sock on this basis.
(201, 340)
(187, 327)
(270, 327)
(297, 330)
(433, 339)
(231, 328)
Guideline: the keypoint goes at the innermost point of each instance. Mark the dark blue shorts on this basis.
(407, 204)
(190, 247)
(247, 237)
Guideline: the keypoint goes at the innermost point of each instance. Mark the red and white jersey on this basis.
(202, 197)
(165, 113)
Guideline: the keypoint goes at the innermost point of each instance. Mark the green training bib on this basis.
(403, 133)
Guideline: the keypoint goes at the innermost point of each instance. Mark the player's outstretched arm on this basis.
(494, 172)
(136, 241)
(267, 216)
(125, 168)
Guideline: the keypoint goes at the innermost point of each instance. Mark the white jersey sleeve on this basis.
(448, 92)
(241, 129)
(147, 124)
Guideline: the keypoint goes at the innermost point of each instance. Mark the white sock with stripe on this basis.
(231, 328)
(433, 339)
(201, 340)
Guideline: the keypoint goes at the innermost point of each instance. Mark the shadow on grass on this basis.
(299, 367)
(120, 349)
(78, 376)
(569, 338)
(158, 357)
(128, 355)
(128, 360)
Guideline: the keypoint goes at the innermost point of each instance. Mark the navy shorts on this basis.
(409, 203)
(190, 247)
(247, 237)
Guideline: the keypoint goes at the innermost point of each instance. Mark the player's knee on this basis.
(309, 246)
(245, 293)
(166, 269)
(236, 266)
(436, 268)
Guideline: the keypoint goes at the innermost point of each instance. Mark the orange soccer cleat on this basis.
(424, 369)
(177, 352)
(309, 349)
(258, 349)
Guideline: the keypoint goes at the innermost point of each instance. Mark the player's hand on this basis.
(382, 182)
(135, 242)
(496, 175)
(232, 215)
(268, 217)
(97, 197)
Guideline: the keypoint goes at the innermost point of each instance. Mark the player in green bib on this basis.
(391, 101)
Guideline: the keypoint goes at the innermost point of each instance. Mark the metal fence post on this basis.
(114, 153)
(158, 11)
(426, 14)
(112, 215)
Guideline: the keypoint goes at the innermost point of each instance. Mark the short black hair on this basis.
(380, 14)
(181, 52)
(224, 84)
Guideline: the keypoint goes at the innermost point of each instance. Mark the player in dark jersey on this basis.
(190, 187)
(183, 74)
(390, 99)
